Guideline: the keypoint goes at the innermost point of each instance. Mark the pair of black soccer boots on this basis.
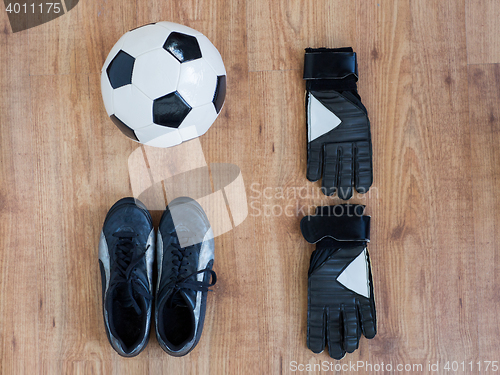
(184, 252)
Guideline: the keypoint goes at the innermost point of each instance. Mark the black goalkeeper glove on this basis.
(339, 144)
(341, 305)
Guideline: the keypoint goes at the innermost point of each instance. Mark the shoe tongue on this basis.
(122, 295)
(183, 298)
(189, 297)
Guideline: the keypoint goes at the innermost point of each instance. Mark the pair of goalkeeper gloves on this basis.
(341, 304)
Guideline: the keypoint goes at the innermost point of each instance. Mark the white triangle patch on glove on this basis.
(355, 275)
(321, 120)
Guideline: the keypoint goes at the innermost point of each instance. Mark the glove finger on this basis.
(316, 329)
(314, 161)
(334, 333)
(351, 333)
(363, 167)
(368, 320)
(346, 171)
(330, 169)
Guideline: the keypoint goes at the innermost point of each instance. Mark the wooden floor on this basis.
(430, 78)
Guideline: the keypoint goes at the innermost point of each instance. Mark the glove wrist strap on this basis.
(326, 63)
(343, 223)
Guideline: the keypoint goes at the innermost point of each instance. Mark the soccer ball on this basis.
(163, 84)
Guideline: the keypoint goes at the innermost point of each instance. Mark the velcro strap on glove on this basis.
(343, 222)
(325, 63)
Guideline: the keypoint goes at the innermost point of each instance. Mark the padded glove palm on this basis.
(339, 144)
(341, 305)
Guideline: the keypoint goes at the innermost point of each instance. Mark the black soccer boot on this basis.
(126, 255)
(185, 255)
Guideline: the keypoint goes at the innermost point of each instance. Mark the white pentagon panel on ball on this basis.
(156, 73)
(198, 121)
(197, 82)
(211, 54)
(107, 93)
(132, 107)
(158, 136)
(172, 26)
(144, 39)
(116, 48)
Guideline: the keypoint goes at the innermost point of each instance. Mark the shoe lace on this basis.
(180, 276)
(125, 265)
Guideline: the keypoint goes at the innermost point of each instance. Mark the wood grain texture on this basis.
(484, 96)
(433, 204)
(18, 252)
(441, 198)
(278, 32)
(483, 28)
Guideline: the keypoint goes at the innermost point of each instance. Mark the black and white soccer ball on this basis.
(163, 84)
